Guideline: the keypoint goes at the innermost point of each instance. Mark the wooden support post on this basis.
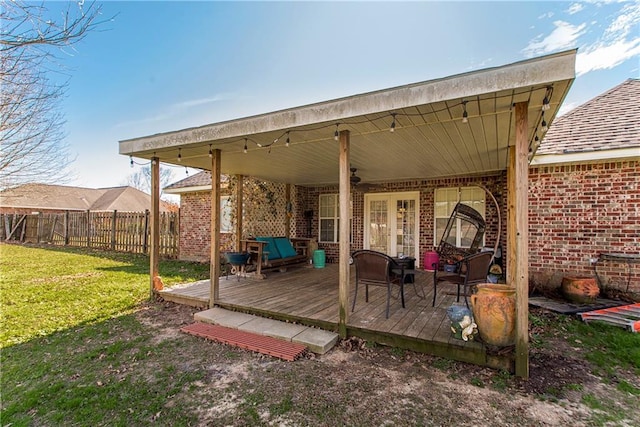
(345, 189)
(511, 220)
(287, 218)
(66, 228)
(39, 230)
(154, 252)
(145, 236)
(239, 211)
(521, 273)
(214, 266)
(88, 228)
(113, 229)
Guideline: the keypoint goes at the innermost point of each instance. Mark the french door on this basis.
(392, 223)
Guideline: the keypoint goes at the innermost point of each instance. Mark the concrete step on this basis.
(317, 340)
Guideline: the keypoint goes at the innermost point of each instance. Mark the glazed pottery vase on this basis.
(494, 311)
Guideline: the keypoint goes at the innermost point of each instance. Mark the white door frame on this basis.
(392, 199)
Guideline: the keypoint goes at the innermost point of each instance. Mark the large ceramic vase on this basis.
(582, 290)
(494, 310)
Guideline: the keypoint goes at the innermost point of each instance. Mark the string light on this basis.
(131, 161)
(547, 98)
(186, 171)
(545, 104)
(392, 127)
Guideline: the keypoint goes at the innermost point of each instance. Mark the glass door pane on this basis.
(378, 225)
(405, 230)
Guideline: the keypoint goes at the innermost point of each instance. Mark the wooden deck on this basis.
(310, 296)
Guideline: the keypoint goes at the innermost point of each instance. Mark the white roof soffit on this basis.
(592, 156)
(429, 140)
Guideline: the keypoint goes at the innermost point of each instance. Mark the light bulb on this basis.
(545, 104)
(465, 117)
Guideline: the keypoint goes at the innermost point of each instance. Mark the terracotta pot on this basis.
(580, 289)
(494, 310)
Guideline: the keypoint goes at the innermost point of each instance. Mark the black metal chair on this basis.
(473, 269)
(375, 268)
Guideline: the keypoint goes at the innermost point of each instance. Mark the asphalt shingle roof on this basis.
(608, 121)
(198, 180)
(62, 197)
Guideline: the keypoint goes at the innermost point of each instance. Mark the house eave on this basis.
(632, 153)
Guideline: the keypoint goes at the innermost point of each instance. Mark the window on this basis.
(445, 200)
(329, 218)
(226, 210)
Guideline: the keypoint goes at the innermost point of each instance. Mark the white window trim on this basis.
(335, 217)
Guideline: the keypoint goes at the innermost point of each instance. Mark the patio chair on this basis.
(473, 270)
(375, 268)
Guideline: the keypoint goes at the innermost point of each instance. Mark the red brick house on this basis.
(584, 195)
(412, 151)
(584, 192)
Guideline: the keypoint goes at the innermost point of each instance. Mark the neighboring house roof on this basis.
(609, 122)
(198, 182)
(61, 197)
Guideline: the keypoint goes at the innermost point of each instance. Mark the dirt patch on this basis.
(357, 383)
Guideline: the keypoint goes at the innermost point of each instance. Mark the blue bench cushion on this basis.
(270, 247)
(285, 247)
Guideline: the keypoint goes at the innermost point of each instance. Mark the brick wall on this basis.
(268, 218)
(195, 228)
(578, 211)
(496, 184)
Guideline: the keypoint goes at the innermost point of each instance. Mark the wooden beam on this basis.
(511, 220)
(238, 210)
(154, 251)
(521, 213)
(345, 189)
(214, 264)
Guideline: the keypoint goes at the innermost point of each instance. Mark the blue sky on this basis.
(162, 66)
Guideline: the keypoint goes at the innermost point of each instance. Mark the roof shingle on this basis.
(608, 121)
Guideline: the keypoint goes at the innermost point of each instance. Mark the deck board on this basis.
(311, 294)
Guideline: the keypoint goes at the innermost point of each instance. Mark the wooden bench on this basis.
(276, 252)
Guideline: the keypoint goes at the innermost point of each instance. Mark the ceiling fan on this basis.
(364, 187)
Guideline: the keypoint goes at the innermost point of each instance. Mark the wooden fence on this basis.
(117, 231)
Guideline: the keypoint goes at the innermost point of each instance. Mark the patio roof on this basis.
(429, 140)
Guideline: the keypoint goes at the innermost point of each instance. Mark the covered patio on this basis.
(471, 124)
(308, 296)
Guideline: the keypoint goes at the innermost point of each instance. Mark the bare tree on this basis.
(141, 179)
(32, 141)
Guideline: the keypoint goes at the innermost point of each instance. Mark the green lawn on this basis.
(82, 344)
(52, 289)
